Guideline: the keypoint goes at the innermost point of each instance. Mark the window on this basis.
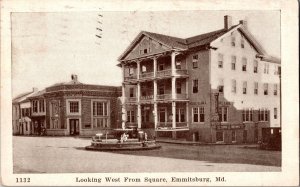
(144, 68)
(131, 92)
(245, 87)
(161, 89)
(145, 116)
(247, 115)
(263, 114)
(100, 114)
(233, 136)
(233, 86)
(54, 115)
(220, 61)
(195, 58)
(242, 42)
(223, 114)
(233, 62)
(145, 51)
(220, 136)
(198, 114)
(178, 87)
(275, 89)
(195, 86)
(275, 113)
(195, 61)
(161, 67)
(255, 66)
(265, 88)
(244, 62)
(180, 115)
(178, 64)
(255, 88)
(130, 69)
(74, 106)
(100, 108)
(232, 41)
(41, 106)
(221, 86)
(266, 68)
(130, 116)
(35, 106)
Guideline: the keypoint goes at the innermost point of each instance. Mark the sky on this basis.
(48, 47)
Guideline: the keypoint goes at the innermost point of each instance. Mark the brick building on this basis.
(74, 108)
(219, 86)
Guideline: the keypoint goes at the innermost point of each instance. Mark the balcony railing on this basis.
(169, 124)
(181, 72)
(164, 73)
(181, 96)
(133, 77)
(147, 98)
(146, 75)
(164, 96)
(131, 99)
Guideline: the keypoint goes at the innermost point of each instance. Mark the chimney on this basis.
(227, 22)
(244, 23)
(74, 77)
(34, 89)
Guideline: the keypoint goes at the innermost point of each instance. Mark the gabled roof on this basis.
(22, 97)
(207, 38)
(72, 82)
(37, 94)
(195, 41)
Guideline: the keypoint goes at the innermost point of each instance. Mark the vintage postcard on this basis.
(149, 93)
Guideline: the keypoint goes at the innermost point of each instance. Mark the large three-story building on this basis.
(215, 87)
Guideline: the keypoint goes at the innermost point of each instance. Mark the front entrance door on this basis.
(162, 116)
(74, 126)
(245, 136)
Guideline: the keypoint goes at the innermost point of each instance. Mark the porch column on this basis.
(139, 116)
(173, 65)
(173, 114)
(154, 90)
(138, 70)
(123, 72)
(155, 115)
(154, 66)
(123, 106)
(173, 88)
(187, 87)
(187, 114)
(139, 113)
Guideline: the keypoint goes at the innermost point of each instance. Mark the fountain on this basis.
(129, 138)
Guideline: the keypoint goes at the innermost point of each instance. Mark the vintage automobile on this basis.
(123, 139)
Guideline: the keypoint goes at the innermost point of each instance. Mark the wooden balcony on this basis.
(167, 126)
(181, 96)
(130, 78)
(131, 99)
(164, 73)
(181, 72)
(164, 97)
(147, 75)
(147, 98)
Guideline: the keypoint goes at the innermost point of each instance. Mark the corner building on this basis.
(215, 87)
(74, 108)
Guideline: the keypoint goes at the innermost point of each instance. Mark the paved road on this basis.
(67, 155)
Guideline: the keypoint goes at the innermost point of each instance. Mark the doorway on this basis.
(162, 116)
(74, 127)
(245, 136)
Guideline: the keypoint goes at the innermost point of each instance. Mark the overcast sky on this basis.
(48, 47)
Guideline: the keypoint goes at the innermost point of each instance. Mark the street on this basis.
(67, 155)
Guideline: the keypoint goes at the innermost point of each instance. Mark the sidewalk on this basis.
(184, 142)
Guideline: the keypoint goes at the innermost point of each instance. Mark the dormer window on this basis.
(145, 51)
